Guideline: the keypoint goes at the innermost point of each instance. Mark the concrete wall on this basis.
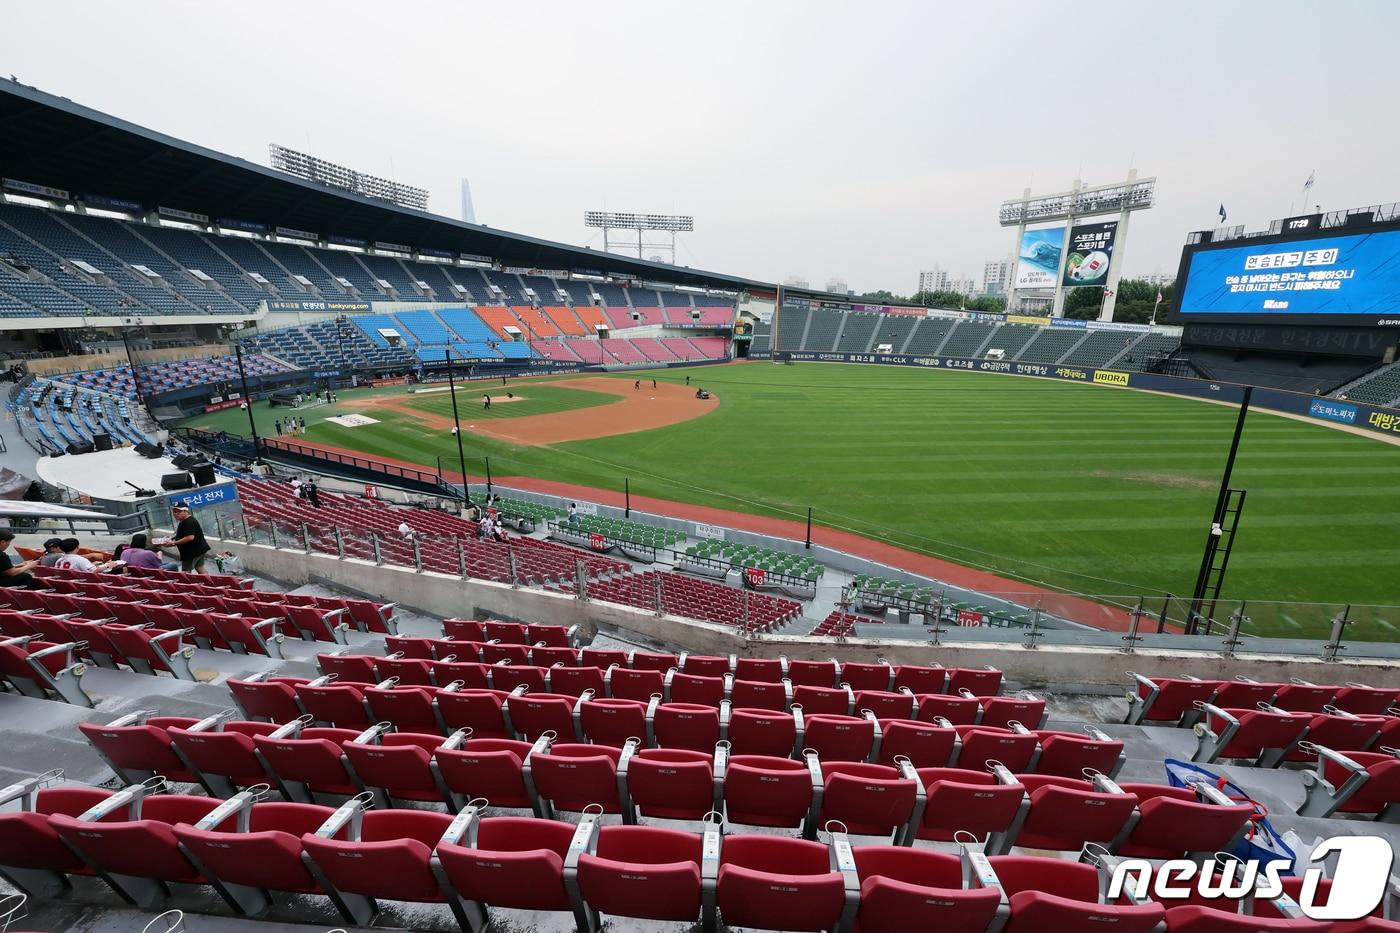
(1068, 669)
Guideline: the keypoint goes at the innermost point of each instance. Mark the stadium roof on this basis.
(51, 141)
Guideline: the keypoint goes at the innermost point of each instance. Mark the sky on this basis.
(859, 141)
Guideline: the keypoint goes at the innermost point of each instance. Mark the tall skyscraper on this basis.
(468, 210)
(996, 276)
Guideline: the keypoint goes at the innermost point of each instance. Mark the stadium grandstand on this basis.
(266, 678)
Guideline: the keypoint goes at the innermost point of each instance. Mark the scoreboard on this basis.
(1346, 276)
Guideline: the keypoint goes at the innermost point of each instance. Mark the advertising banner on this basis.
(1369, 417)
(1356, 275)
(1090, 249)
(1039, 260)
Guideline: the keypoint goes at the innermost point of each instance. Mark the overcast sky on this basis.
(864, 141)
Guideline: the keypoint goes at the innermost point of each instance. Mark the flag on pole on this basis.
(1159, 296)
(1307, 185)
(1222, 213)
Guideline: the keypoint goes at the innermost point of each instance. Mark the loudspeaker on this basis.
(204, 474)
(102, 441)
(185, 461)
(150, 451)
(83, 448)
(176, 481)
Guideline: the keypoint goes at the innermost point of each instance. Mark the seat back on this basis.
(870, 799)
(762, 732)
(759, 694)
(775, 883)
(516, 863)
(1069, 754)
(822, 699)
(343, 705)
(960, 800)
(1173, 822)
(763, 790)
(982, 744)
(613, 722)
(924, 744)
(1067, 812)
(643, 871)
(839, 738)
(813, 673)
(480, 710)
(903, 888)
(686, 725)
(573, 776)
(695, 688)
(492, 769)
(532, 715)
(669, 783)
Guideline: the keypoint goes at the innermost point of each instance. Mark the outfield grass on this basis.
(1085, 488)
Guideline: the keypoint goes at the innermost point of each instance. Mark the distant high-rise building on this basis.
(996, 276)
(468, 209)
(796, 281)
(1158, 278)
(939, 280)
(837, 285)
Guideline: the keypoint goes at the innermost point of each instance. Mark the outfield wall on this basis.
(1327, 411)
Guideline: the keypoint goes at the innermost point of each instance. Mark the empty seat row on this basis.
(139, 841)
(1268, 736)
(1177, 701)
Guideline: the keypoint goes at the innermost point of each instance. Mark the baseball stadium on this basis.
(365, 568)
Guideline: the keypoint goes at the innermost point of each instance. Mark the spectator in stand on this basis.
(53, 550)
(71, 559)
(573, 513)
(189, 541)
(139, 554)
(406, 531)
(12, 574)
(312, 493)
(296, 486)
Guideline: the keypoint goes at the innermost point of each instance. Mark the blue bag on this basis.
(1261, 842)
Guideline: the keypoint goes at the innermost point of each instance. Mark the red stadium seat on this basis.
(839, 738)
(1300, 696)
(220, 752)
(705, 666)
(308, 760)
(399, 765)
(511, 862)
(40, 669)
(1060, 895)
(868, 799)
(862, 675)
(32, 854)
(925, 745)
(694, 688)
(1351, 782)
(570, 776)
(489, 769)
(263, 698)
(982, 744)
(573, 681)
(669, 783)
(916, 679)
(642, 871)
(350, 668)
(957, 710)
(885, 704)
(775, 883)
(409, 672)
(627, 684)
(411, 709)
(772, 670)
(959, 800)
(1166, 700)
(759, 694)
(1361, 700)
(1064, 813)
(341, 705)
(1175, 821)
(612, 722)
(1248, 733)
(836, 700)
(1070, 754)
(760, 732)
(686, 726)
(1198, 919)
(979, 681)
(903, 889)
(1000, 712)
(761, 790)
(532, 715)
(481, 711)
(136, 746)
(814, 673)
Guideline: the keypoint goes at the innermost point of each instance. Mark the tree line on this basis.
(1136, 299)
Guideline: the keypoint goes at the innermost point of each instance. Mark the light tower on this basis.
(468, 209)
(612, 222)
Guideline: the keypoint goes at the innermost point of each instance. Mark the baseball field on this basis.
(1082, 488)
